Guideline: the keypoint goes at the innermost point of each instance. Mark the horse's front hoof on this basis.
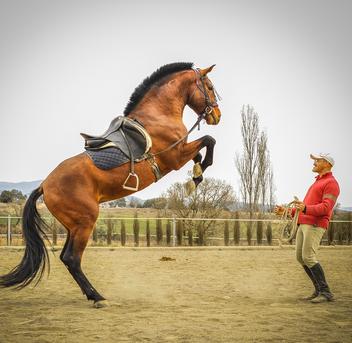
(197, 170)
(101, 304)
(190, 187)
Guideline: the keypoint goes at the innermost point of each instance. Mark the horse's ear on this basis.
(205, 71)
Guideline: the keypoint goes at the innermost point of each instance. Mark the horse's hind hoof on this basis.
(101, 304)
(190, 187)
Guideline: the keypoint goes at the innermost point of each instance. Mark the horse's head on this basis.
(203, 97)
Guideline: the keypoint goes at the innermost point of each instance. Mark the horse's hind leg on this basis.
(71, 256)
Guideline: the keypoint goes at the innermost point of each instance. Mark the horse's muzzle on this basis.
(213, 116)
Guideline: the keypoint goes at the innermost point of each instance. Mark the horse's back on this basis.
(69, 173)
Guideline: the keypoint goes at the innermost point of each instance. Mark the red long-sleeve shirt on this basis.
(320, 201)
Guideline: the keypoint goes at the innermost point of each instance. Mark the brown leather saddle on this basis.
(126, 135)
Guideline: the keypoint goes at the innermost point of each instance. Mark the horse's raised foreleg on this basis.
(191, 151)
(209, 143)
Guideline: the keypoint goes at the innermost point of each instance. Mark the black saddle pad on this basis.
(107, 158)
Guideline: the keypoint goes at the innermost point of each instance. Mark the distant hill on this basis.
(28, 186)
(25, 187)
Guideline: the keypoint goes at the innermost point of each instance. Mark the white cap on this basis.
(325, 157)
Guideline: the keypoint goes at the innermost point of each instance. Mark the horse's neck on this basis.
(162, 117)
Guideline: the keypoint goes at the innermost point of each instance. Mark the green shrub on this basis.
(95, 234)
(349, 232)
(200, 231)
(123, 233)
(179, 232)
(190, 236)
(54, 231)
(168, 232)
(331, 233)
(109, 225)
(159, 231)
(249, 232)
(147, 233)
(236, 230)
(226, 233)
(269, 234)
(136, 230)
(259, 231)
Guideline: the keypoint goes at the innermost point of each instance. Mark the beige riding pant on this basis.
(307, 244)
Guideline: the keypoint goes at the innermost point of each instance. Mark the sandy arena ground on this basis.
(205, 295)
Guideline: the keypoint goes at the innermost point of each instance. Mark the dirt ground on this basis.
(204, 295)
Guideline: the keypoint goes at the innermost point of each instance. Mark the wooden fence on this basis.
(175, 232)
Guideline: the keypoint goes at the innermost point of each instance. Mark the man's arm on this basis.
(331, 192)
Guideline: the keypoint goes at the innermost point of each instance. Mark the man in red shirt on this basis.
(315, 213)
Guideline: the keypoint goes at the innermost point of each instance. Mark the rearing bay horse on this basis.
(73, 190)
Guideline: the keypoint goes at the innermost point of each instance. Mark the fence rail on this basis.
(162, 231)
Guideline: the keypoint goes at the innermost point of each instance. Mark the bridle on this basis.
(209, 105)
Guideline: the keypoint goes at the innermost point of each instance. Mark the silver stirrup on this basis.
(128, 187)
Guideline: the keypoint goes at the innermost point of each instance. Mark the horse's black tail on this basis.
(35, 257)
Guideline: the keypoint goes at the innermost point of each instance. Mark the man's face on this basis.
(320, 165)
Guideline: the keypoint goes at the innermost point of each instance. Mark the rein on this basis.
(150, 157)
(200, 118)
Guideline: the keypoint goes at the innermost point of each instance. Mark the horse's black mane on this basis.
(148, 82)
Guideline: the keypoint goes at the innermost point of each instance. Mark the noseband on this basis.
(209, 105)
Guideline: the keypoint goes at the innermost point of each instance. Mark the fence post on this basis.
(8, 230)
(173, 232)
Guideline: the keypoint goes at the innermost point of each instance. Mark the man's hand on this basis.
(300, 205)
(279, 210)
